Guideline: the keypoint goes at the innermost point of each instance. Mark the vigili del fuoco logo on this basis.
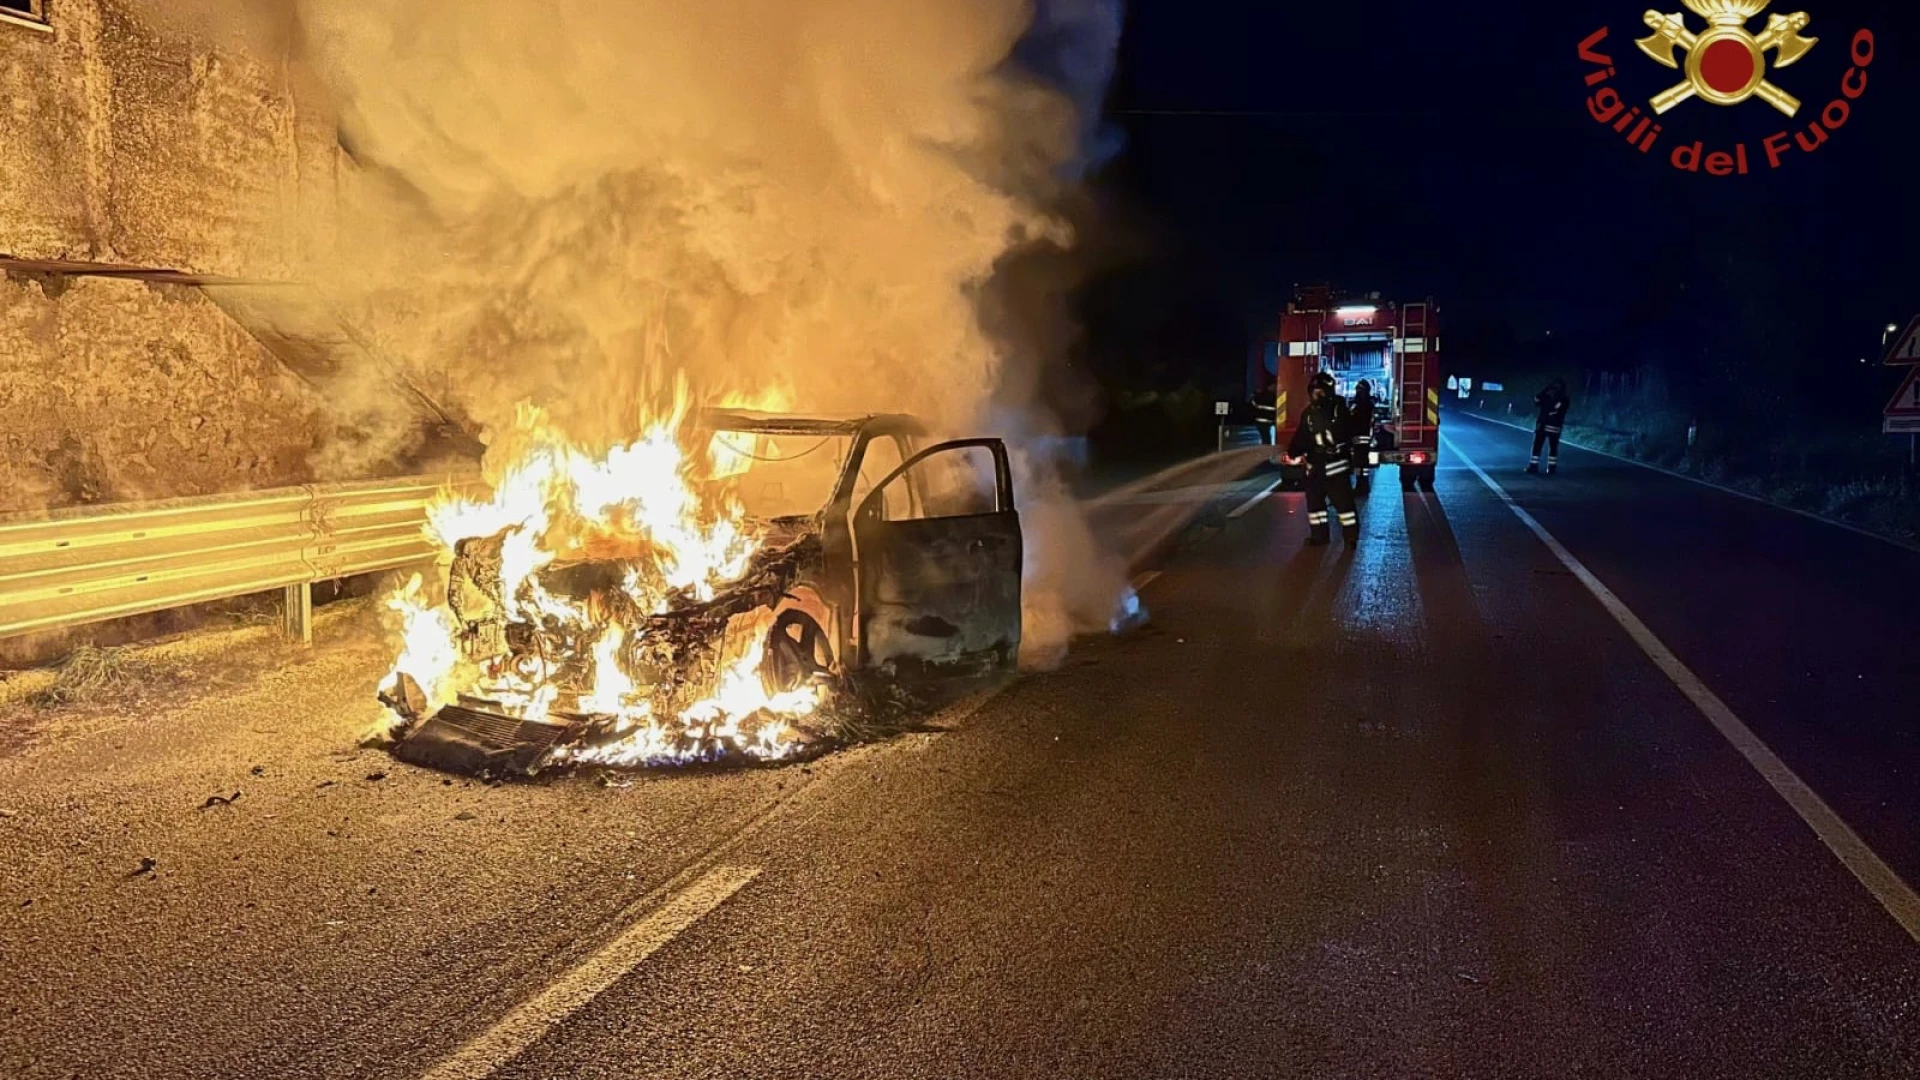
(1724, 64)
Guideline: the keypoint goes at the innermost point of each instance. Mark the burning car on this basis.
(656, 605)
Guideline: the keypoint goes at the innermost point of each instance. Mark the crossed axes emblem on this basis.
(1726, 65)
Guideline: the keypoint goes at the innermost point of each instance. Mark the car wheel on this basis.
(797, 653)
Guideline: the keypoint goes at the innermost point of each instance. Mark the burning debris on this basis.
(619, 609)
(570, 683)
(656, 604)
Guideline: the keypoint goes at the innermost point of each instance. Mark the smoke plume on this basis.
(567, 202)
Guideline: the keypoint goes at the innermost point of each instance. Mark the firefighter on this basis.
(1551, 407)
(1324, 440)
(1363, 436)
(1265, 411)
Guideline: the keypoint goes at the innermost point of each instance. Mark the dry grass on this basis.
(91, 673)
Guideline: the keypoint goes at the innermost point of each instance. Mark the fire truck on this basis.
(1393, 347)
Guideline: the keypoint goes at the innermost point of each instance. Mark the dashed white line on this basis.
(1894, 894)
(1253, 502)
(516, 1031)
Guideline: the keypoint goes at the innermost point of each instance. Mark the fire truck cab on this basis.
(1393, 347)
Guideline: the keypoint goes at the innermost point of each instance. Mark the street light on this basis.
(1892, 329)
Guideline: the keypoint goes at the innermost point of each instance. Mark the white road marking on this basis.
(1894, 894)
(1253, 502)
(1145, 580)
(516, 1031)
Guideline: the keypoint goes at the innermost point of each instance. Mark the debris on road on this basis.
(91, 673)
(147, 866)
(220, 800)
(466, 815)
(481, 743)
(258, 770)
(377, 776)
(325, 784)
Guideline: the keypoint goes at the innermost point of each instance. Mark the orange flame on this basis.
(669, 514)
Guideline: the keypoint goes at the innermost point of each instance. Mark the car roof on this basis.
(815, 424)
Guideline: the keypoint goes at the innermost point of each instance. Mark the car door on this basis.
(939, 572)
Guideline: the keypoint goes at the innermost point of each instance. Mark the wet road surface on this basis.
(1422, 810)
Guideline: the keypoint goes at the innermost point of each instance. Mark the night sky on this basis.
(1446, 149)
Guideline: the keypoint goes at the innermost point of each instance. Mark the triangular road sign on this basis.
(1906, 347)
(1906, 402)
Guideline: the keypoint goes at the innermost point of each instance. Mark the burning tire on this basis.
(798, 652)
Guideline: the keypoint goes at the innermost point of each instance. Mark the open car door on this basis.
(939, 554)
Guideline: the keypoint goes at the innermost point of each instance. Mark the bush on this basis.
(1861, 478)
(1155, 424)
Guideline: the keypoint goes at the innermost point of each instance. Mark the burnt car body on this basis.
(880, 559)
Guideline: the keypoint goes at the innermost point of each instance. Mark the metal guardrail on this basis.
(73, 567)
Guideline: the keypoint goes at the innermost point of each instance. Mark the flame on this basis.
(428, 654)
(671, 517)
(710, 727)
(733, 455)
(775, 397)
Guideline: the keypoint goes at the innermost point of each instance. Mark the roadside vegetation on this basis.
(1846, 472)
(1714, 335)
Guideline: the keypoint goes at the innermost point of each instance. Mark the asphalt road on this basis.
(1423, 810)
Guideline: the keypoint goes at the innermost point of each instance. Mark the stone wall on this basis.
(120, 143)
(116, 390)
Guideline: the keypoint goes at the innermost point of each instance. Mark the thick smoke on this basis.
(573, 197)
(568, 202)
(1074, 44)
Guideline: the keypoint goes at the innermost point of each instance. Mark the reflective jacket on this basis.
(1552, 408)
(1325, 436)
(1265, 405)
(1363, 418)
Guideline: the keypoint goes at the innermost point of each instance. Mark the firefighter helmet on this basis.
(1365, 389)
(1322, 380)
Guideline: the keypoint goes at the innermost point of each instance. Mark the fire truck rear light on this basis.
(1416, 459)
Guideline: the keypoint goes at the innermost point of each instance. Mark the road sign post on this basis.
(1220, 409)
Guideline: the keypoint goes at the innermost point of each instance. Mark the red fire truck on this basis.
(1394, 347)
